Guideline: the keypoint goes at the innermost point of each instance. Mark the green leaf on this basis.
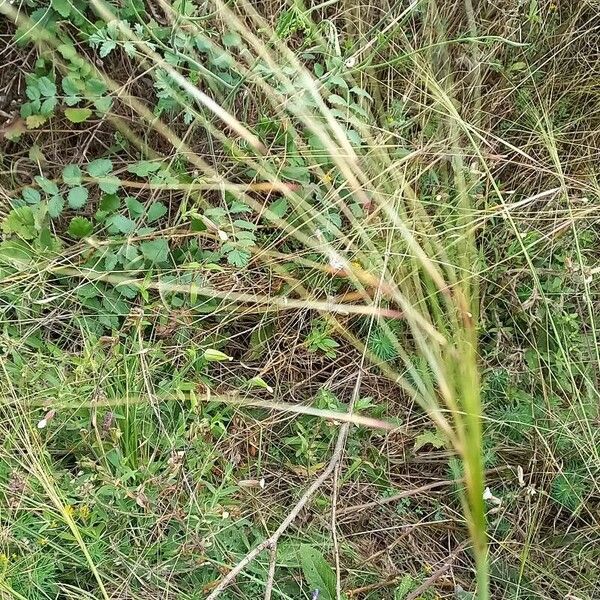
(46, 86)
(55, 206)
(47, 107)
(109, 184)
(143, 168)
(231, 39)
(62, 7)
(71, 86)
(155, 251)
(121, 224)
(21, 222)
(317, 572)
(77, 197)
(31, 195)
(134, 206)
(49, 187)
(337, 100)
(107, 47)
(280, 207)
(103, 104)
(72, 175)
(212, 355)
(238, 258)
(100, 167)
(156, 211)
(109, 203)
(430, 437)
(78, 115)
(80, 227)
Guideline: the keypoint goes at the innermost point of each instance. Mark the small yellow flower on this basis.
(69, 510)
(84, 512)
(43, 541)
(3, 560)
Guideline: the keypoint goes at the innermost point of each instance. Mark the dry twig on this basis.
(271, 542)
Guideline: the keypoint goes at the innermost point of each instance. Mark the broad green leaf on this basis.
(143, 168)
(103, 104)
(238, 258)
(80, 227)
(31, 195)
(47, 107)
(156, 211)
(317, 572)
(46, 86)
(109, 203)
(77, 197)
(47, 186)
(134, 206)
(338, 100)
(121, 224)
(430, 437)
(72, 175)
(100, 167)
(62, 7)
(280, 207)
(21, 222)
(107, 47)
(71, 86)
(78, 115)
(155, 251)
(231, 39)
(56, 205)
(109, 184)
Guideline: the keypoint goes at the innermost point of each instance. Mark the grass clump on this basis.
(217, 218)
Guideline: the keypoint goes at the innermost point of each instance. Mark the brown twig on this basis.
(271, 542)
(416, 593)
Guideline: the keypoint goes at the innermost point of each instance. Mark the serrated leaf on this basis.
(156, 211)
(100, 167)
(46, 86)
(156, 251)
(78, 115)
(21, 222)
(62, 7)
(134, 206)
(80, 227)
(231, 39)
(238, 258)
(109, 203)
(56, 205)
(46, 185)
(143, 168)
(121, 224)
(31, 195)
(103, 104)
(317, 572)
(77, 197)
(280, 207)
(35, 121)
(72, 175)
(109, 184)
(47, 107)
(430, 437)
(107, 47)
(71, 86)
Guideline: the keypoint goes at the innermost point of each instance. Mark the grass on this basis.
(217, 219)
